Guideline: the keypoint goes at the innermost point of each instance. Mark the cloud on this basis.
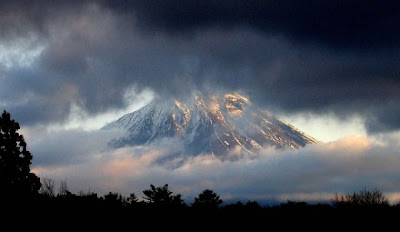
(314, 173)
(69, 147)
(337, 57)
(327, 127)
(385, 119)
(338, 23)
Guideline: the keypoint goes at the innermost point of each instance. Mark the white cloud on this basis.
(327, 127)
(81, 119)
(21, 52)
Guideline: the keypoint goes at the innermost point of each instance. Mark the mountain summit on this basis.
(216, 124)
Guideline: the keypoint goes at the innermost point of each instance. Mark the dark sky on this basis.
(338, 57)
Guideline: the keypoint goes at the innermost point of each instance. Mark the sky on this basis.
(330, 68)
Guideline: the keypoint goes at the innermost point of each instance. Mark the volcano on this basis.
(219, 124)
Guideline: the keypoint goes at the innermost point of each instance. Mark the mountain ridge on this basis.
(220, 124)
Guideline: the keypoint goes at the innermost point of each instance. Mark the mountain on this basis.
(219, 124)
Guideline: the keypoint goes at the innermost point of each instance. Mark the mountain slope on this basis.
(217, 124)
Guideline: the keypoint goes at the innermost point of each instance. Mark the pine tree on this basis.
(16, 180)
(208, 199)
(162, 197)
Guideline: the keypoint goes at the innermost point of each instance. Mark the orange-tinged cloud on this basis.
(393, 197)
(125, 162)
(36, 171)
(351, 145)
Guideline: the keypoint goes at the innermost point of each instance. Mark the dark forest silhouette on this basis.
(21, 189)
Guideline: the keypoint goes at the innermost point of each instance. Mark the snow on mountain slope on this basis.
(217, 124)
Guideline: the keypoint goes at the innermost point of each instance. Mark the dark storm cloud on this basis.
(31, 18)
(31, 97)
(385, 119)
(294, 56)
(76, 65)
(338, 23)
(342, 54)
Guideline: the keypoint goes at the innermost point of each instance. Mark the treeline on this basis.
(162, 197)
(154, 197)
(160, 205)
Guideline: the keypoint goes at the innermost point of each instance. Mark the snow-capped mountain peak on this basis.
(217, 124)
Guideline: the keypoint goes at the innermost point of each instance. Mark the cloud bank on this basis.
(314, 173)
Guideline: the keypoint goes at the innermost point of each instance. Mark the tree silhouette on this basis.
(363, 198)
(47, 188)
(177, 201)
(16, 180)
(207, 199)
(132, 199)
(294, 205)
(63, 190)
(252, 205)
(114, 199)
(162, 197)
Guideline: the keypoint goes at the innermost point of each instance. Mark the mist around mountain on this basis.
(227, 125)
